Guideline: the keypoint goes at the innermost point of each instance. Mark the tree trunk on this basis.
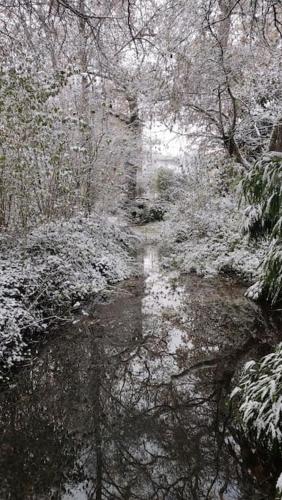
(275, 143)
(132, 165)
(87, 184)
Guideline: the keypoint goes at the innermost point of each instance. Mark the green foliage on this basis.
(165, 182)
(260, 398)
(37, 159)
(262, 189)
(271, 277)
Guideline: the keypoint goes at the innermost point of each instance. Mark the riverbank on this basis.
(207, 239)
(50, 272)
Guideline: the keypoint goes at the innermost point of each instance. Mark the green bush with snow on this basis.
(54, 267)
(203, 232)
(260, 398)
(262, 190)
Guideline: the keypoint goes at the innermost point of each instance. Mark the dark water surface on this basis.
(131, 401)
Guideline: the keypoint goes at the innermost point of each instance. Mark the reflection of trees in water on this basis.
(101, 409)
(169, 440)
(33, 443)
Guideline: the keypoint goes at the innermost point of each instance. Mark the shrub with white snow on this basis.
(54, 267)
(263, 219)
(260, 399)
(205, 237)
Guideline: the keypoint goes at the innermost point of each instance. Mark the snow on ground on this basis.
(210, 241)
(53, 269)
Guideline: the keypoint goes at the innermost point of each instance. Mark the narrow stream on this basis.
(131, 401)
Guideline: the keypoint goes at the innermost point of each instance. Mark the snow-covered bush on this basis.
(204, 227)
(262, 190)
(260, 399)
(263, 218)
(143, 211)
(54, 267)
(167, 182)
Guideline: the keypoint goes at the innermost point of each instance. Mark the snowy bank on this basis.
(51, 270)
(209, 240)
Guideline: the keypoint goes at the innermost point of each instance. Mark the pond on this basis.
(131, 401)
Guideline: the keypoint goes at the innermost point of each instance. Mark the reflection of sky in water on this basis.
(76, 492)
(151, 260)
(161, 295)
(164, 303)
(161, 291)
(177, 339)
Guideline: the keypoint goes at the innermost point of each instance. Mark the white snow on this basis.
(57, 266)
(279, 484)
